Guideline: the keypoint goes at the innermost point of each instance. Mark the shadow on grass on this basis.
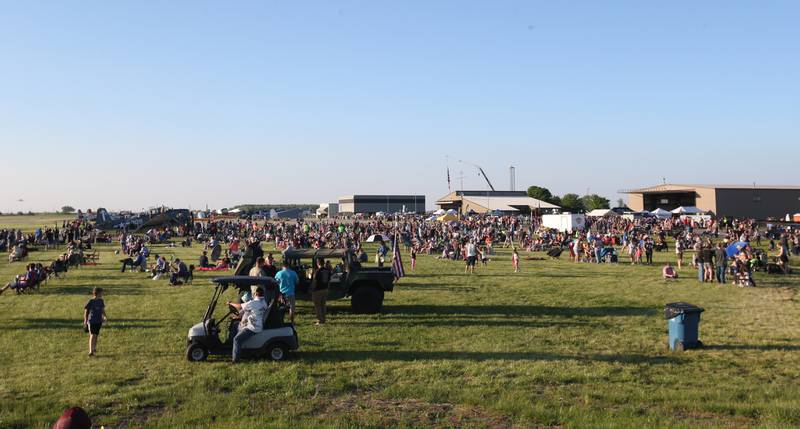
(513, 310)
(462, 323)
(426, 286)
(392, 355)
(54, 323)
(761, 347)
(87, 290)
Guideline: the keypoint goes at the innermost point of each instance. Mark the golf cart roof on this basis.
(314, 253)
(245, 281)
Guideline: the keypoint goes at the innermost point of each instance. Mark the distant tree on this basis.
(540, 193)
(620, 202)
(556, 200)
(594, 201)
(572, 203)
(67, 209)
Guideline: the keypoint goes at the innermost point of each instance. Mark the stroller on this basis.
(608, 254)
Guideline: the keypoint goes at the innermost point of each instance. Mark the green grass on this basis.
(560, 344)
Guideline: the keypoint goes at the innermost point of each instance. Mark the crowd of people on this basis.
(474, 239)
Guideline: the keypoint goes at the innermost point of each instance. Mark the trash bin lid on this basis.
(675, 308)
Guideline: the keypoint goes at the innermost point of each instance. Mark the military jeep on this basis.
(365, 286)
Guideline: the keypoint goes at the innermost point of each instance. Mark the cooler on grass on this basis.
(684, 322)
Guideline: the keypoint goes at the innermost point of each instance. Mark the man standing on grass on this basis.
(288, 281)
(269, 266)
(258, 269)
(701, 263)
(319, 290)
(471, 257)
(721, 257)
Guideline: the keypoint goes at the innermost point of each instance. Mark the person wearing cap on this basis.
(252, 322)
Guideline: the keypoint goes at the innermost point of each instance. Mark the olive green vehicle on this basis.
(365, 286)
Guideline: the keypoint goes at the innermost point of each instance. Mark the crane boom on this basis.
(483, 173)
(487, 179)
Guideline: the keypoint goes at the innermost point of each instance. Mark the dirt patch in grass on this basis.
(415, 412)
(708, 418)
(140, 416)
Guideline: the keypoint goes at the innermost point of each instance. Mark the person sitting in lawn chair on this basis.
(180, 273)
(75, 255)
(160, 267)
(140, 262)
(22, 281)
(19, 252)
(58, 266)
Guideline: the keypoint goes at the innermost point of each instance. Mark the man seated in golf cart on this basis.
(252, 320)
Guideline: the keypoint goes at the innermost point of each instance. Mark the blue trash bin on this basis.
(684, 324)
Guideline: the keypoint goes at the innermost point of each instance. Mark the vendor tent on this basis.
(687, 210)
(661, 213)
(447, 218)
(439, 212)
(601, 213)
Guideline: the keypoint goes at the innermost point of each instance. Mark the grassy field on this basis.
(559, 344)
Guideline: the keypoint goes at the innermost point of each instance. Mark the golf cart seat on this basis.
(275, 316)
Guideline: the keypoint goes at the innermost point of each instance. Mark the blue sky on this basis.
(134, 104)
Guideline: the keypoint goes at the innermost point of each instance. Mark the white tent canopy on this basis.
(687, 210)
(661, 213)
(601, 213)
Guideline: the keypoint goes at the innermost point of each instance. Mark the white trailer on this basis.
(564, 222)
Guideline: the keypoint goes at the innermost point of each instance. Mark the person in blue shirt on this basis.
(380, 257)
(288, 281)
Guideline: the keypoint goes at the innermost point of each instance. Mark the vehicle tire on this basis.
(277, 351)
(367, 300)
(196, 352)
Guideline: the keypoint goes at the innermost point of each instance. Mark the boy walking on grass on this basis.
(94, 314)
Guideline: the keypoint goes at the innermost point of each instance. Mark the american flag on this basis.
(397, 260)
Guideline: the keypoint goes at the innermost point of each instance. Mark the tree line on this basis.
(570, 202)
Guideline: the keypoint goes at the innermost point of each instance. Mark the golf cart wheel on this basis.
(679, 346)
(277, 351)
(196, 353)
(367, 300)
